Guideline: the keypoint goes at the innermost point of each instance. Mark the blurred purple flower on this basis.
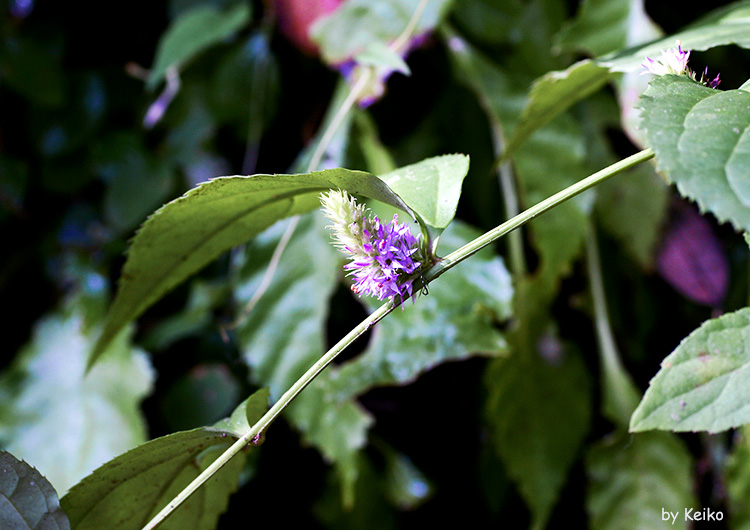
(692, 260)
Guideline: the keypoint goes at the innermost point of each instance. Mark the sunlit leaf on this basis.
(431, 187)
(194, 31)
(702, 142)
(702, 384)
(633, 480)
(27, 499)
(50, 409)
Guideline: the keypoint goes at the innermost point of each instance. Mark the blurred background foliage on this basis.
(108, 111)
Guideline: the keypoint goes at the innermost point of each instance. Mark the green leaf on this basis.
(490, 21)
(27, 499)
(200, 397)
(727, 25)
(128, 491)
(194, 31)
(551, 160)
(186, 234)
(356, 24)
(246, 414)
(702, 384)
(381, 56)
(538, 405)
(136, 181)
(51, 410)
(294, 306)
(431, 187)
(554, 93)
(600, 26)
(738, 481)
(632, 209)
(456, 320)
(633, 478)
(702, 142)
(538, 411)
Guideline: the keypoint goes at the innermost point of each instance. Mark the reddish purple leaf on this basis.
(692, 260)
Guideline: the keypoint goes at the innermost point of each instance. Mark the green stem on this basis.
(260, 427)
(619, 395)
(445, 264)
(454, 258)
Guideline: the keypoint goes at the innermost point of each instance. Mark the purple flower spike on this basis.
(383, 256)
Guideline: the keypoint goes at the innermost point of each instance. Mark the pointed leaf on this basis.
(554, 93)
(27, 499)
(702, 142)
(431, 187)
(538, 412)
(702, 385)
(50, 410)
(538, 403)
(634, 479)
(128, 491)
(192, 32)
(246, 414)
(188, 233)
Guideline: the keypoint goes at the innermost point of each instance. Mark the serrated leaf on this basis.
(194, 31)
(702, 385)
(554, 93)
(738, 481)
(702, 142)
(632, 479)
(27, 499)
(356, 24)
(50, 410)
(128, 491)
(188, 233)
(431, 187)
(727, 25)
